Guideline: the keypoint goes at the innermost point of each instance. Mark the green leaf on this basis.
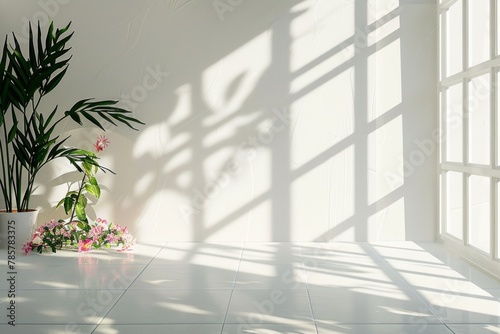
(93, 181)
(49, 63)
(20, 66)
(80, 212)
(49, 119)
(89, 166)
(50, 36)
(59, 45)
(93, 120)
(62, 30)
(68, 204)
(103, 103)
(93, 188)
(105, 117)
(78, 105)
(32, 48)
(12, 132)
(75, 117)
(41, 52)
(82, 200)
(61, 202)
(3, 60)
(55, 81)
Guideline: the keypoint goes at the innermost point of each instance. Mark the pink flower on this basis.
(112, 238)
(102, 223)
(27, 248)
(51, 224)
(101, 143)
(84, 246)
(37, 240)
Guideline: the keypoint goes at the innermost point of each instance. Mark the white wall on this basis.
(278, 120)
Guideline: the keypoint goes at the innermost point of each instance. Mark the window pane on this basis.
(479, 32)
(498, 220)
(454, 39)
(454, 124)
(498, 29)
(454, 204)
(479, 120)
(479, 212)
(498, 118)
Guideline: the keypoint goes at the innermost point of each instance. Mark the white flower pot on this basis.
(16, 228)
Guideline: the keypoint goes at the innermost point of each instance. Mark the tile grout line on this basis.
(409, 285)
(451, 330)
(125, 291)
(307, 289)
(233, 287)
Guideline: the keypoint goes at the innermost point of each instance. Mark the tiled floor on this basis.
(263, 288)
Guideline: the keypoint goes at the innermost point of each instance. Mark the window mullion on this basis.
(493, 130)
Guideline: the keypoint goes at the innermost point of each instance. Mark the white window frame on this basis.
(488, 261)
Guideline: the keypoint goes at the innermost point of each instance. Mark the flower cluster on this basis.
(101, 143)
(58, 234)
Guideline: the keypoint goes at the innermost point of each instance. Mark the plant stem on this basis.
(77, 198)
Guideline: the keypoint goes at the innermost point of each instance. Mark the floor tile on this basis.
(185, 276)
(27, 276)
(251, 328)
(423, 328)
(332, 274)
(37, 260)
(341, 253)
(272, 252)
(475, 328)
(170, 307)
(257, 275)
(369, 305)
(438, 269)
(468, 306)
(62, 306)
(85, 276)
(217, 255)
(160, 329)
(454, 262)
(395, 252)
(272, 287)
(47, 329)
(269, 306)
(141, 253)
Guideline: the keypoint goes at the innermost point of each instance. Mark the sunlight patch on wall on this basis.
(319, 47)
(388, 223)
(385, 165)
(389, 27)
(239, 206)
(341, 192)
(384, 81)
(332, 186)
(179, 160)
(227, 84)
(377, 9)
(153, 148)
(181, 113)
(324, 118)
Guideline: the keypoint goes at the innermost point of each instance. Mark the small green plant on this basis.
(75, 202)
(28, 135)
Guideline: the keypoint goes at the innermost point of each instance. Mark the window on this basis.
(470, 121)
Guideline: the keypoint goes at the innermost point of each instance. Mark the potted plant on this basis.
(28, 135)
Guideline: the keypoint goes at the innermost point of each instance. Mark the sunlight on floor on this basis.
(318, 288)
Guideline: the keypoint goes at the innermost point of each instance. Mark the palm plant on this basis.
(28, 139)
